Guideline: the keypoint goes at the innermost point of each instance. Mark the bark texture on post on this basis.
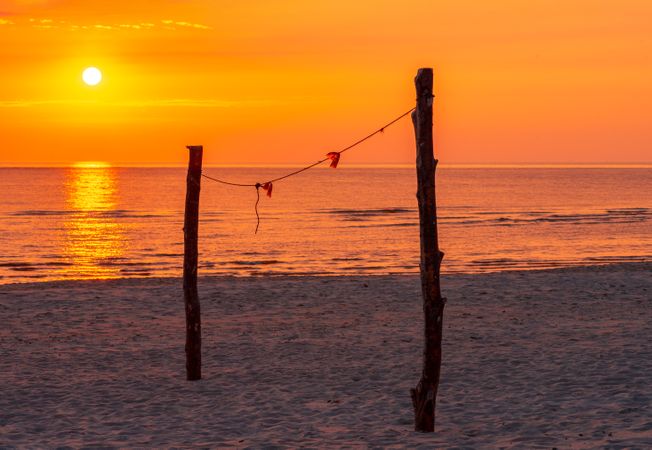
(425, 394)
(190, 259)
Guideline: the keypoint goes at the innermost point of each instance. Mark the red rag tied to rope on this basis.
(335, 158)
(268, 188)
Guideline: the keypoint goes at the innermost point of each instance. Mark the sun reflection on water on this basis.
(95, 239)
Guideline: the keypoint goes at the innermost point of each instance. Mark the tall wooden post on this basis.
(190, 258)
(425, 394)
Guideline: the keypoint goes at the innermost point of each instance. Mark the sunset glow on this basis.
(91, 164)
(516, 82)
(93, 236)
(236, 224)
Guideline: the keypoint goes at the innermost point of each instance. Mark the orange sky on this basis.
(284, 81)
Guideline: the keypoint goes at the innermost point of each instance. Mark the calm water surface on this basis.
(122, 222)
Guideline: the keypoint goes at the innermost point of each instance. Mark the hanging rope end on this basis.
(257, 186)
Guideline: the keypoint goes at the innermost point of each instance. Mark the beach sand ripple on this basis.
(557, 358)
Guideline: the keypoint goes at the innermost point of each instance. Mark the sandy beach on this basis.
(538, 359)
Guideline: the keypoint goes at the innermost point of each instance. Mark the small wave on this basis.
(24, 268)
(32, 267)
(382, 225)
(125, 263)
(361, 214)
(362, 268)
(499, 264)
(617, 258)
(282, 273)
(14, 264)
(496, 262)
(634, 211)
(111, 214)
(135, 271)
(267, 253)
(254, 263)
(625, 215)
(39, 212)
(123, 214)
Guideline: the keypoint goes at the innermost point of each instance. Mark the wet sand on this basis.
(557, 358)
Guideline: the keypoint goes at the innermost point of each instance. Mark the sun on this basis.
(92, 76)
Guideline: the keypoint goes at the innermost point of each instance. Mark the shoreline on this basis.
(546, 358)
(634, 266)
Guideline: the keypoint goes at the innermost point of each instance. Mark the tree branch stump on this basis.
(190, 260)
(424, 396)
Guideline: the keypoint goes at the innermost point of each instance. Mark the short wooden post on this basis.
(190, 259)
(425, 394)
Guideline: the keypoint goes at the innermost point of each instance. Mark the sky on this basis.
(286, 81)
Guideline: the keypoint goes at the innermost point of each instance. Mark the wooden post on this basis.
(190, 235)
(425, 394)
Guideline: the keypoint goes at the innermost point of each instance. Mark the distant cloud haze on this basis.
(47, 23)
(186, 24)
(172, 102)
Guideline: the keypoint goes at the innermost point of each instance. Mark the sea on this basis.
(92, 222)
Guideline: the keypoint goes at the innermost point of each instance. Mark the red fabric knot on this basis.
(335, 158)
(268, 187)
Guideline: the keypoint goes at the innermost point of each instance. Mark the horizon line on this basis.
(145, 165)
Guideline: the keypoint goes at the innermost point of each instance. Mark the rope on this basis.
(331, 155)
(321, 161)
(256, 208)
(298, 171)
(380, 130)
(226, 182)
